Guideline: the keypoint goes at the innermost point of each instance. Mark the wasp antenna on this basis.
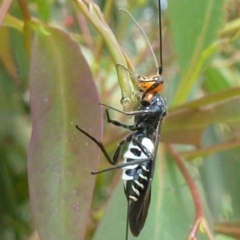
(160, 67)
(144, 34)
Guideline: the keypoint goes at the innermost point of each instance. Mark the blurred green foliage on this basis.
(201, 61)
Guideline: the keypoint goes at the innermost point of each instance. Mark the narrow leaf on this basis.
(195, 25)
(193, 122)
(62, 94)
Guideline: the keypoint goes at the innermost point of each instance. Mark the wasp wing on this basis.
(138, 211)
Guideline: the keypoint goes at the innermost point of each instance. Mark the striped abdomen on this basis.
(136, 176)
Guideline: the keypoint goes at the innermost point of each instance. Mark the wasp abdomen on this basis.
(136, 177)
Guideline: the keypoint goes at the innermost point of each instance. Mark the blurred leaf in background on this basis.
(43, 47)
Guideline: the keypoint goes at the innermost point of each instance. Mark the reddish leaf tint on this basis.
(62, 94)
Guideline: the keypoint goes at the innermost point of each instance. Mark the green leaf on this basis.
(62, 94)
(14, 139)
(217, 79)
(222, 184)
(195, 26)
(196, 116)
(94, 15)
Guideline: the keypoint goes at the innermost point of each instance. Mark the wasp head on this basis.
(150, 86)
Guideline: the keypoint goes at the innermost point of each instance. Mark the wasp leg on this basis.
(131, 113)
(119, 124)
(99, 144)
(143, 148)
(134, 76)
(114, 160)
(133, 162)
(120, 145)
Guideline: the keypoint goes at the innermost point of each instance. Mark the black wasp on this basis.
(139, 159)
